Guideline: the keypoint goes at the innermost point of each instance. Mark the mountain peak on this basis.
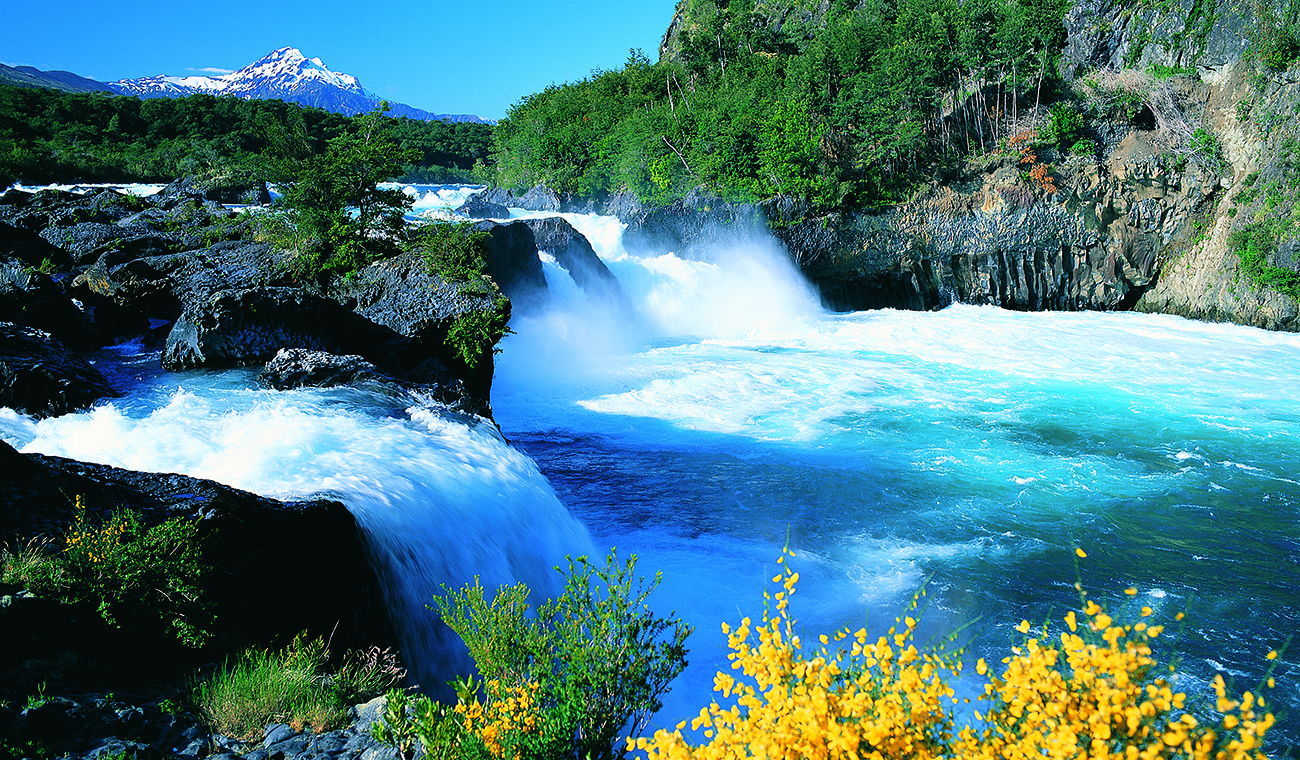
(283, 74)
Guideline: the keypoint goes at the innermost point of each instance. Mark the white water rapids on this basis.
(717, 413)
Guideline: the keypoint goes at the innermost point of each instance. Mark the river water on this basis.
(716, 413)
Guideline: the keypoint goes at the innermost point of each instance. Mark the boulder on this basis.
(31, 298)
(162, 286)
(86, 242)
(298, 367)
(512, 262)
(31, 249)
(478, 208)
(278, 568)
(224, 190)
(540, 198)
(39, 377)
(237, 327)
(573, 251)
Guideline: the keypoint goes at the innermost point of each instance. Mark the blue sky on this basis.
(463, 56)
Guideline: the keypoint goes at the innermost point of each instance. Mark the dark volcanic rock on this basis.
(400, 294)
(161, 286)
(30, 248)
(260, 549)
(700, 220)
(512, 261)
(574, 252)
(478, 208)
(227, 190)
(28, 297)
(40, 377)
(240, 327)
(297, 367)
(540, 198)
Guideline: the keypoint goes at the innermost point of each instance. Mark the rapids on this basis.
(717, 413)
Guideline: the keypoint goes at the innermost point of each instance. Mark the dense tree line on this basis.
(850, 108)
(52, 136)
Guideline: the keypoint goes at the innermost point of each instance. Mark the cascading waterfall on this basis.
(440, 501)
(717, 413)
(975, 446)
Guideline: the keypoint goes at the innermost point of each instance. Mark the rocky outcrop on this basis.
(1184, 34)
(222, 189)
(311, 553)
(573, 251)
(478, 207)
(32, 298)
(512, 262)
(1095, 244)
(298, 367)
(42, 378)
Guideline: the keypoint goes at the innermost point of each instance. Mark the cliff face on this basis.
(1137, 226)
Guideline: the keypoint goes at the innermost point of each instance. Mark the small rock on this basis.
(276, 733)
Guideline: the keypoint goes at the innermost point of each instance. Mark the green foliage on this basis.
(566, 679)
(854, 107)
(455, 251)
(291, 686)
(51, 136)
(1162, 71)
(1205, 148)
(146, 579)
(1254, 244)
(1275, 40)
(262, 687)
(474, 335)
(345, 221)
(1065, 126)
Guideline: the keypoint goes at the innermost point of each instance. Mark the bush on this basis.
(291, 686)
(455, 251)
(1092, 689)
(147, 580)
(345, 220)
(1279, 47)
(475, 334)
(565, 680)
(1254, 244)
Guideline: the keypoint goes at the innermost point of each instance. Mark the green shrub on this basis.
(1253, 245)
(564, 680)
(1084, 147)
(144, 579)
(1279, 47)
(262, 687)
(455, 251)
(475, 334)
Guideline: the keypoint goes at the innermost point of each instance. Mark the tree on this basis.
(334, 198)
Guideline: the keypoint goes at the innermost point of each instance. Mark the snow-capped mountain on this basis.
(285, 74)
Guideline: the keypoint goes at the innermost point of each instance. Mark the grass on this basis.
(291, 686)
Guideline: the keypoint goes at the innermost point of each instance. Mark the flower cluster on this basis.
(97, 544)
(1094, 690)
(1098, 692)
(881, 699)
(507, 717)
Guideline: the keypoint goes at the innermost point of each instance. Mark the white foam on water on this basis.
(442, 502)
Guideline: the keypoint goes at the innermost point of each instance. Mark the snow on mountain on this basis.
(284, 74)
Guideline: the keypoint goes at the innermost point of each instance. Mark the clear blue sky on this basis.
(459, 56)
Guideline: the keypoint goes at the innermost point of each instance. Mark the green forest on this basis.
(849, 109)
(52, 136)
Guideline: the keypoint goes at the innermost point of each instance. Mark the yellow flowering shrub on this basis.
(147, 578)
(507, 719)
(1094, 690)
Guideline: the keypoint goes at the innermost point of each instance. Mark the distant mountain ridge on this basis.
(66, 81)
(285, 74)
